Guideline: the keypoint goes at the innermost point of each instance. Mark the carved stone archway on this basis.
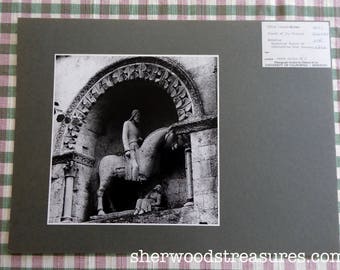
(164, 72)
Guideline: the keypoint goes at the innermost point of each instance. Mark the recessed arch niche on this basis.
(101, 136)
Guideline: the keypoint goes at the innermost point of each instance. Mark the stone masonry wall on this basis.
(81, 193)
(205, 174)
(57, 193)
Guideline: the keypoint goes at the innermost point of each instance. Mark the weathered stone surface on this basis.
(189, 215)
(199, 202)
(205, 185)
(204, 152)
(84, 142)
(196, 169)
(206, 201)
(207, 83)
(204, 137)
(57, 195)
(210, 200)
(80, 193)
(209, 216)
(205, 168)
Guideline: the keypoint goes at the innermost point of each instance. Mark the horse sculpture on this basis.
(114, 166)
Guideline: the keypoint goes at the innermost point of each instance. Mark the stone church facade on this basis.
(94, 95)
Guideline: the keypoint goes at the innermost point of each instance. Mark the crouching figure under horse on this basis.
(148, 157)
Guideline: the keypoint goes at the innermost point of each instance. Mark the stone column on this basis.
(188, 171)
(70, 171)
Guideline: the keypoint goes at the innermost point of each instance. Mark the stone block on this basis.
(196, 170)
(204, 168)
(57, 171)
(83, 177)
(199, 201)
(208, 151)
(54, 219)
(79, 204)
(206, 207)
(204, 137)
(213, 168)
(205, 185)
(204, 152)
(205, 77)
(79, 212)
(209, 201)
(80, 197)
(84, 142)
(55, 213)
(56, 195)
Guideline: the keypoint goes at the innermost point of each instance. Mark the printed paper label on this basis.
(295, 45)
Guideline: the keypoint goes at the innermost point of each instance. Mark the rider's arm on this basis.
(158, 200)
(125, 136)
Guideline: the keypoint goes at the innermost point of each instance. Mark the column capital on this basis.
(70, 169)
(75, 156)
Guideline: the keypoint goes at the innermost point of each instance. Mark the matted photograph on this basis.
(135, 140)
(159, 135)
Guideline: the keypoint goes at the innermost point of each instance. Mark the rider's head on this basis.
(135, 116)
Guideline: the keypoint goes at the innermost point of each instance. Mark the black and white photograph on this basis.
(135, 140)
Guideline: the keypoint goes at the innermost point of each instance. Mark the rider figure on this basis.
(131, 141)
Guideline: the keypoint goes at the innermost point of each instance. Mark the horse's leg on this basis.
(104, 181)
(109, 167)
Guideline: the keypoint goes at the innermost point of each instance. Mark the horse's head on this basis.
(174, 141)
(171, 140)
